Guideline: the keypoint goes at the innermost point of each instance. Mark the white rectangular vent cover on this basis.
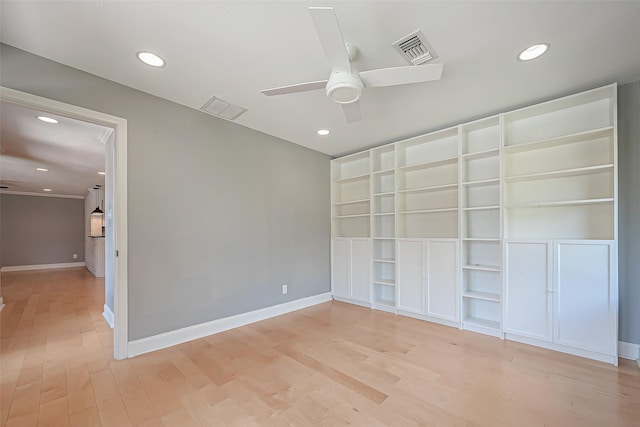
(219, 108)
(415, 48)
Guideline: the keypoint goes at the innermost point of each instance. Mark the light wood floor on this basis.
(332, 364)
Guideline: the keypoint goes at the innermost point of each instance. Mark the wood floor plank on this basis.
(329, 365)
(54, 413)
(79, 390)
(85, 418)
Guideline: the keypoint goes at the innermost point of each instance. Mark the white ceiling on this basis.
(71, 150)
(233, 49)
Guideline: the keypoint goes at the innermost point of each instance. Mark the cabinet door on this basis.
(360, 269)
(529, 297)
(586, 303)
(442, 280)
(340, 266)
(411, 282)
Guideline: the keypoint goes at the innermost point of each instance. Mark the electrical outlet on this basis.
(284, 289)
(75, 256)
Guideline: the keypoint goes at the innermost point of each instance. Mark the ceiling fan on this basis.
(345, 85)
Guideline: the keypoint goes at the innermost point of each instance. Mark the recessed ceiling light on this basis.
(42, 169)
(47, 119)
(47, 189)
(532, 52)
(102, 173)
(323, 132)
(150, 59)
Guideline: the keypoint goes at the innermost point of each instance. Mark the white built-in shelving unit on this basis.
(505, 226)
(350, 196)
(383, 226)
(480, 225)
(427, 185)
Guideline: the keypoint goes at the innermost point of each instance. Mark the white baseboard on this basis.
(168, 339)
(351, 301)
(628, 350)
(108, 315)
(606, 358)
(444, 322)
(40, 266)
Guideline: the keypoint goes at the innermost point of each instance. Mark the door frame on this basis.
(119, 202)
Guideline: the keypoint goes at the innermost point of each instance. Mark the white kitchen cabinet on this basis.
(428, 283)
(351, 269)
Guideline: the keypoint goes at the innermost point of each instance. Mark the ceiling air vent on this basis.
(415, 48)
(219, 108)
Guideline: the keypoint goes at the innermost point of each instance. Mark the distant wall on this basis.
(40, 230)
(629, 211)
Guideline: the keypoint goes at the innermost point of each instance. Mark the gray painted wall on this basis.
(220, 216)
(40, 230)
(629, 210)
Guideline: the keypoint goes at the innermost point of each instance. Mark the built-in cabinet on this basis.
(428, 282)
(350, 269)
(505, 226)
(562, 292)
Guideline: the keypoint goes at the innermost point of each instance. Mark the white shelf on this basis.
(436, 163)
(429, 211)
(385, 261)
(384, 171)
(481, 208)
(350, 216)
(481, 267)
(385, 303)
(429, 189)
(386, 193)
(486, 296)
(561, 173)
(351, 202)
(384, 214)
(481, 154)
(480, 239)
(384, 282)
(384, 238)
(561, 203)
(352, 178)
(481, 182)
(490, 324)
(560, 140)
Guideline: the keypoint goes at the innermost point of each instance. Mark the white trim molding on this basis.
(179, 336)
(628, 350)
(26, 193)
(7, 268)
(108, 315)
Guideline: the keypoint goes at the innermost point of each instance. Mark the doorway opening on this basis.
(115, 197)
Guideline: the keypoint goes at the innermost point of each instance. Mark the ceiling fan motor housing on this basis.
(344, 88)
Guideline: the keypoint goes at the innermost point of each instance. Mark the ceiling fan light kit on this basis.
(346, 86)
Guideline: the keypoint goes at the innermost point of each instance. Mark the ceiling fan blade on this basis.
(326, 23)
(401, 75)
(352, 112)
(300, 87)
